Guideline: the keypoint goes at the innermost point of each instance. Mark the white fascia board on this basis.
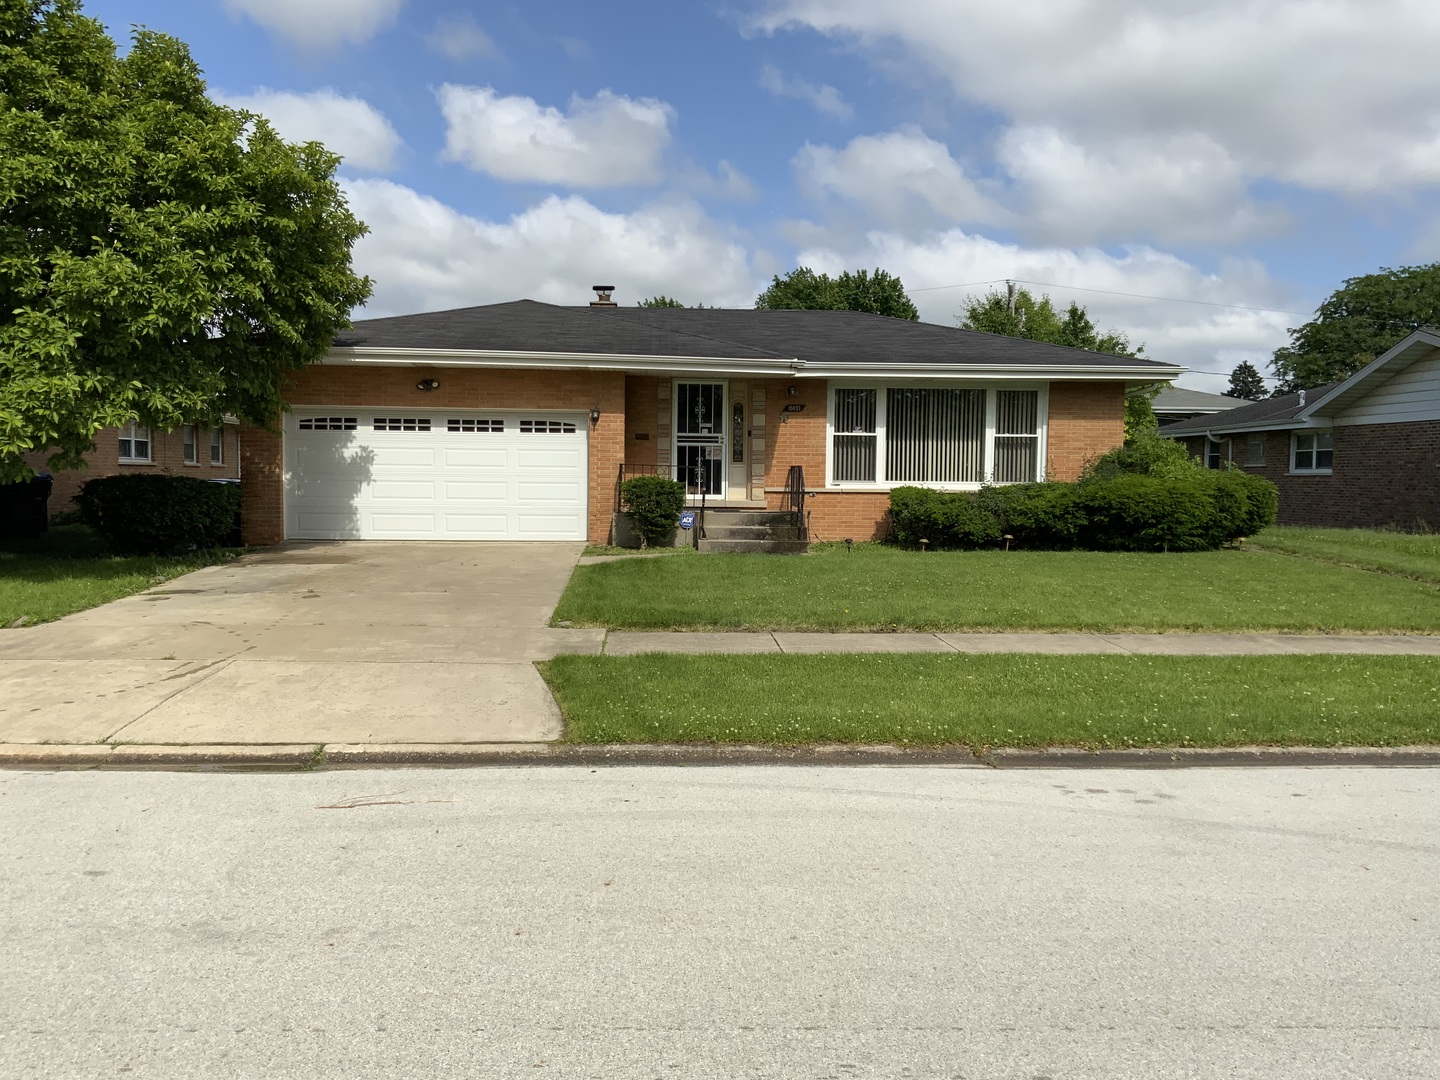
(1293, 424)
(1025, 372)
(656, 365)
(1385, 359)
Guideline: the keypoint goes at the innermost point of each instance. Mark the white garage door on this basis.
(363, 474)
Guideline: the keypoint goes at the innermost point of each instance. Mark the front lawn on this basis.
(68, 570)
(1095, 702)
(1414, 555)
(879, 588)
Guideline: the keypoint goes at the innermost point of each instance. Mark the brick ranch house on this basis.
(513, 421)
(1361, 452)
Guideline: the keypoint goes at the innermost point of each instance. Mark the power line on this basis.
(1112, 292)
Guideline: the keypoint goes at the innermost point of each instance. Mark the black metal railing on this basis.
(793, 500)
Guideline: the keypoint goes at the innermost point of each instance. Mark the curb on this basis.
(362, 755)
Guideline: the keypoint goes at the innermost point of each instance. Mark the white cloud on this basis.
(349, 126)
(901, 177)
(1331, 95)
(1204, 338)
(1181, 189)
(427, 256)
(605, 141)
(460, 38)
(320, 23)
(823, 98)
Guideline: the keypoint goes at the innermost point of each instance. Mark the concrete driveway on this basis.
(306, 643)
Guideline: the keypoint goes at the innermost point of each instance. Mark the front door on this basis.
(700, 449)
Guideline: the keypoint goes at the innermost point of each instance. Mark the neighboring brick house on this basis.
(1357, 453)
(204, 452)
(515, 421)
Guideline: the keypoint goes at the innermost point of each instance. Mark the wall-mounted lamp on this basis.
(792, 391)
(595, 415)
(428, 384)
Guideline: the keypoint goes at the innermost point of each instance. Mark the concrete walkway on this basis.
(356, 643)
(626, 643)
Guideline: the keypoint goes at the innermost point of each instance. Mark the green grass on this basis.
(610, 549)
(1094, 702)
(68, 570)
(1413, 555)
(884, 588)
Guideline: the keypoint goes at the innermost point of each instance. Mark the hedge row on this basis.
(1198, 512)
(152, 513)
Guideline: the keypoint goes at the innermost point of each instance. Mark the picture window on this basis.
(135, 443)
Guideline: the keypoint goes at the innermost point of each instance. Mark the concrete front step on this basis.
(723, 517)
(715, 531)
(764, 547)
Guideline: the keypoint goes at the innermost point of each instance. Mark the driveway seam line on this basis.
(212, 670)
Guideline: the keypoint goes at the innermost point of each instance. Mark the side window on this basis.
(217, 446)
(188, 446)
(1255, 450)
(134, 443)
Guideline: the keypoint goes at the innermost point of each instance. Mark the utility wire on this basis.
(1111, 292)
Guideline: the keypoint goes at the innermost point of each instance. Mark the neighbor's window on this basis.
(1017, 436)
(1314, 452)
(1255, 450)
(854, 449)
(217, 446)
(134, 443)
(188, 445)
(1214, 456)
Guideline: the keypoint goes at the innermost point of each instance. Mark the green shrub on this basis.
(1035, 515)
(654, 503)
(1145, 455)
(1244, 503)
(147, 513)
(1148, 513)
(946, 519)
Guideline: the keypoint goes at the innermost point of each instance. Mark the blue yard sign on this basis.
(687, 519)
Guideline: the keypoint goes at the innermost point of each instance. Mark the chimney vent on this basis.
(602, 296)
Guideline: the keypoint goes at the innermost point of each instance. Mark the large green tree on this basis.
(1359, 321)
(1037, 320)
(1246, 382)
(163, 259)
(878, 292)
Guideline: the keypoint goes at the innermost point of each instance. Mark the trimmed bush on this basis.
(1035, 515)
(1147, 513)
(945, 519)
(149, 513)
(1145, 455)
(654, 503)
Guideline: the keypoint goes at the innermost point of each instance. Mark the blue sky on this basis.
(1239, 154)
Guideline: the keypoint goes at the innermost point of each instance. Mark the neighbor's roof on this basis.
(1272, 411)
(808, 342)
(1181, 399)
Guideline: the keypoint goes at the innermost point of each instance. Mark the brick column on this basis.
(262, 486)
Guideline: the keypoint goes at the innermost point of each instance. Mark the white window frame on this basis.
(1295, 451)
(217, 446)
(190, 444)
(882, 385)
(1252, 441)
(1215, 452)
(130, 434)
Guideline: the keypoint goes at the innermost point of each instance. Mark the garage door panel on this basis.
(491, 482)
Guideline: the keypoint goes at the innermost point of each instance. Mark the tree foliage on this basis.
(163, 259)
(661, 301)
(877, 292)
(1246, 382)
(1358, 322)
(1037, 320)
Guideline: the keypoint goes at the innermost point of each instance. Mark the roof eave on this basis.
(485, 358)
(1000, 371)
(1341, 394)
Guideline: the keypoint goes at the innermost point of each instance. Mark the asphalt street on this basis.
(721, 922)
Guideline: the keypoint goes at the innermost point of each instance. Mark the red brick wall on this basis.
(262, 486)
(1086, 419)
(460, 388)
(795, 438)
(642, 413)
(1384, 474)
(167, 455)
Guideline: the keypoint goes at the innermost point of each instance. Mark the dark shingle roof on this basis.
(815, 337)
(1271, 410)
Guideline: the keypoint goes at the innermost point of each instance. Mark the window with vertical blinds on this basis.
(854, 427)
(934, 436)
(1017, 436)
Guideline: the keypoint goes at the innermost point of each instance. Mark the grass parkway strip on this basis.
(1092, 702)
(877, 588)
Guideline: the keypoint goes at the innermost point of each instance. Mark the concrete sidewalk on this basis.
(628, 643)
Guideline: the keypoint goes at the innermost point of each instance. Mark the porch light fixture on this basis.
(595, 415)
(428, 385)
(792, 391)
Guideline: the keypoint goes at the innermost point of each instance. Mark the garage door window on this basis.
(546, 427)
(402, 423)
(328, 423)
(474, 427)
